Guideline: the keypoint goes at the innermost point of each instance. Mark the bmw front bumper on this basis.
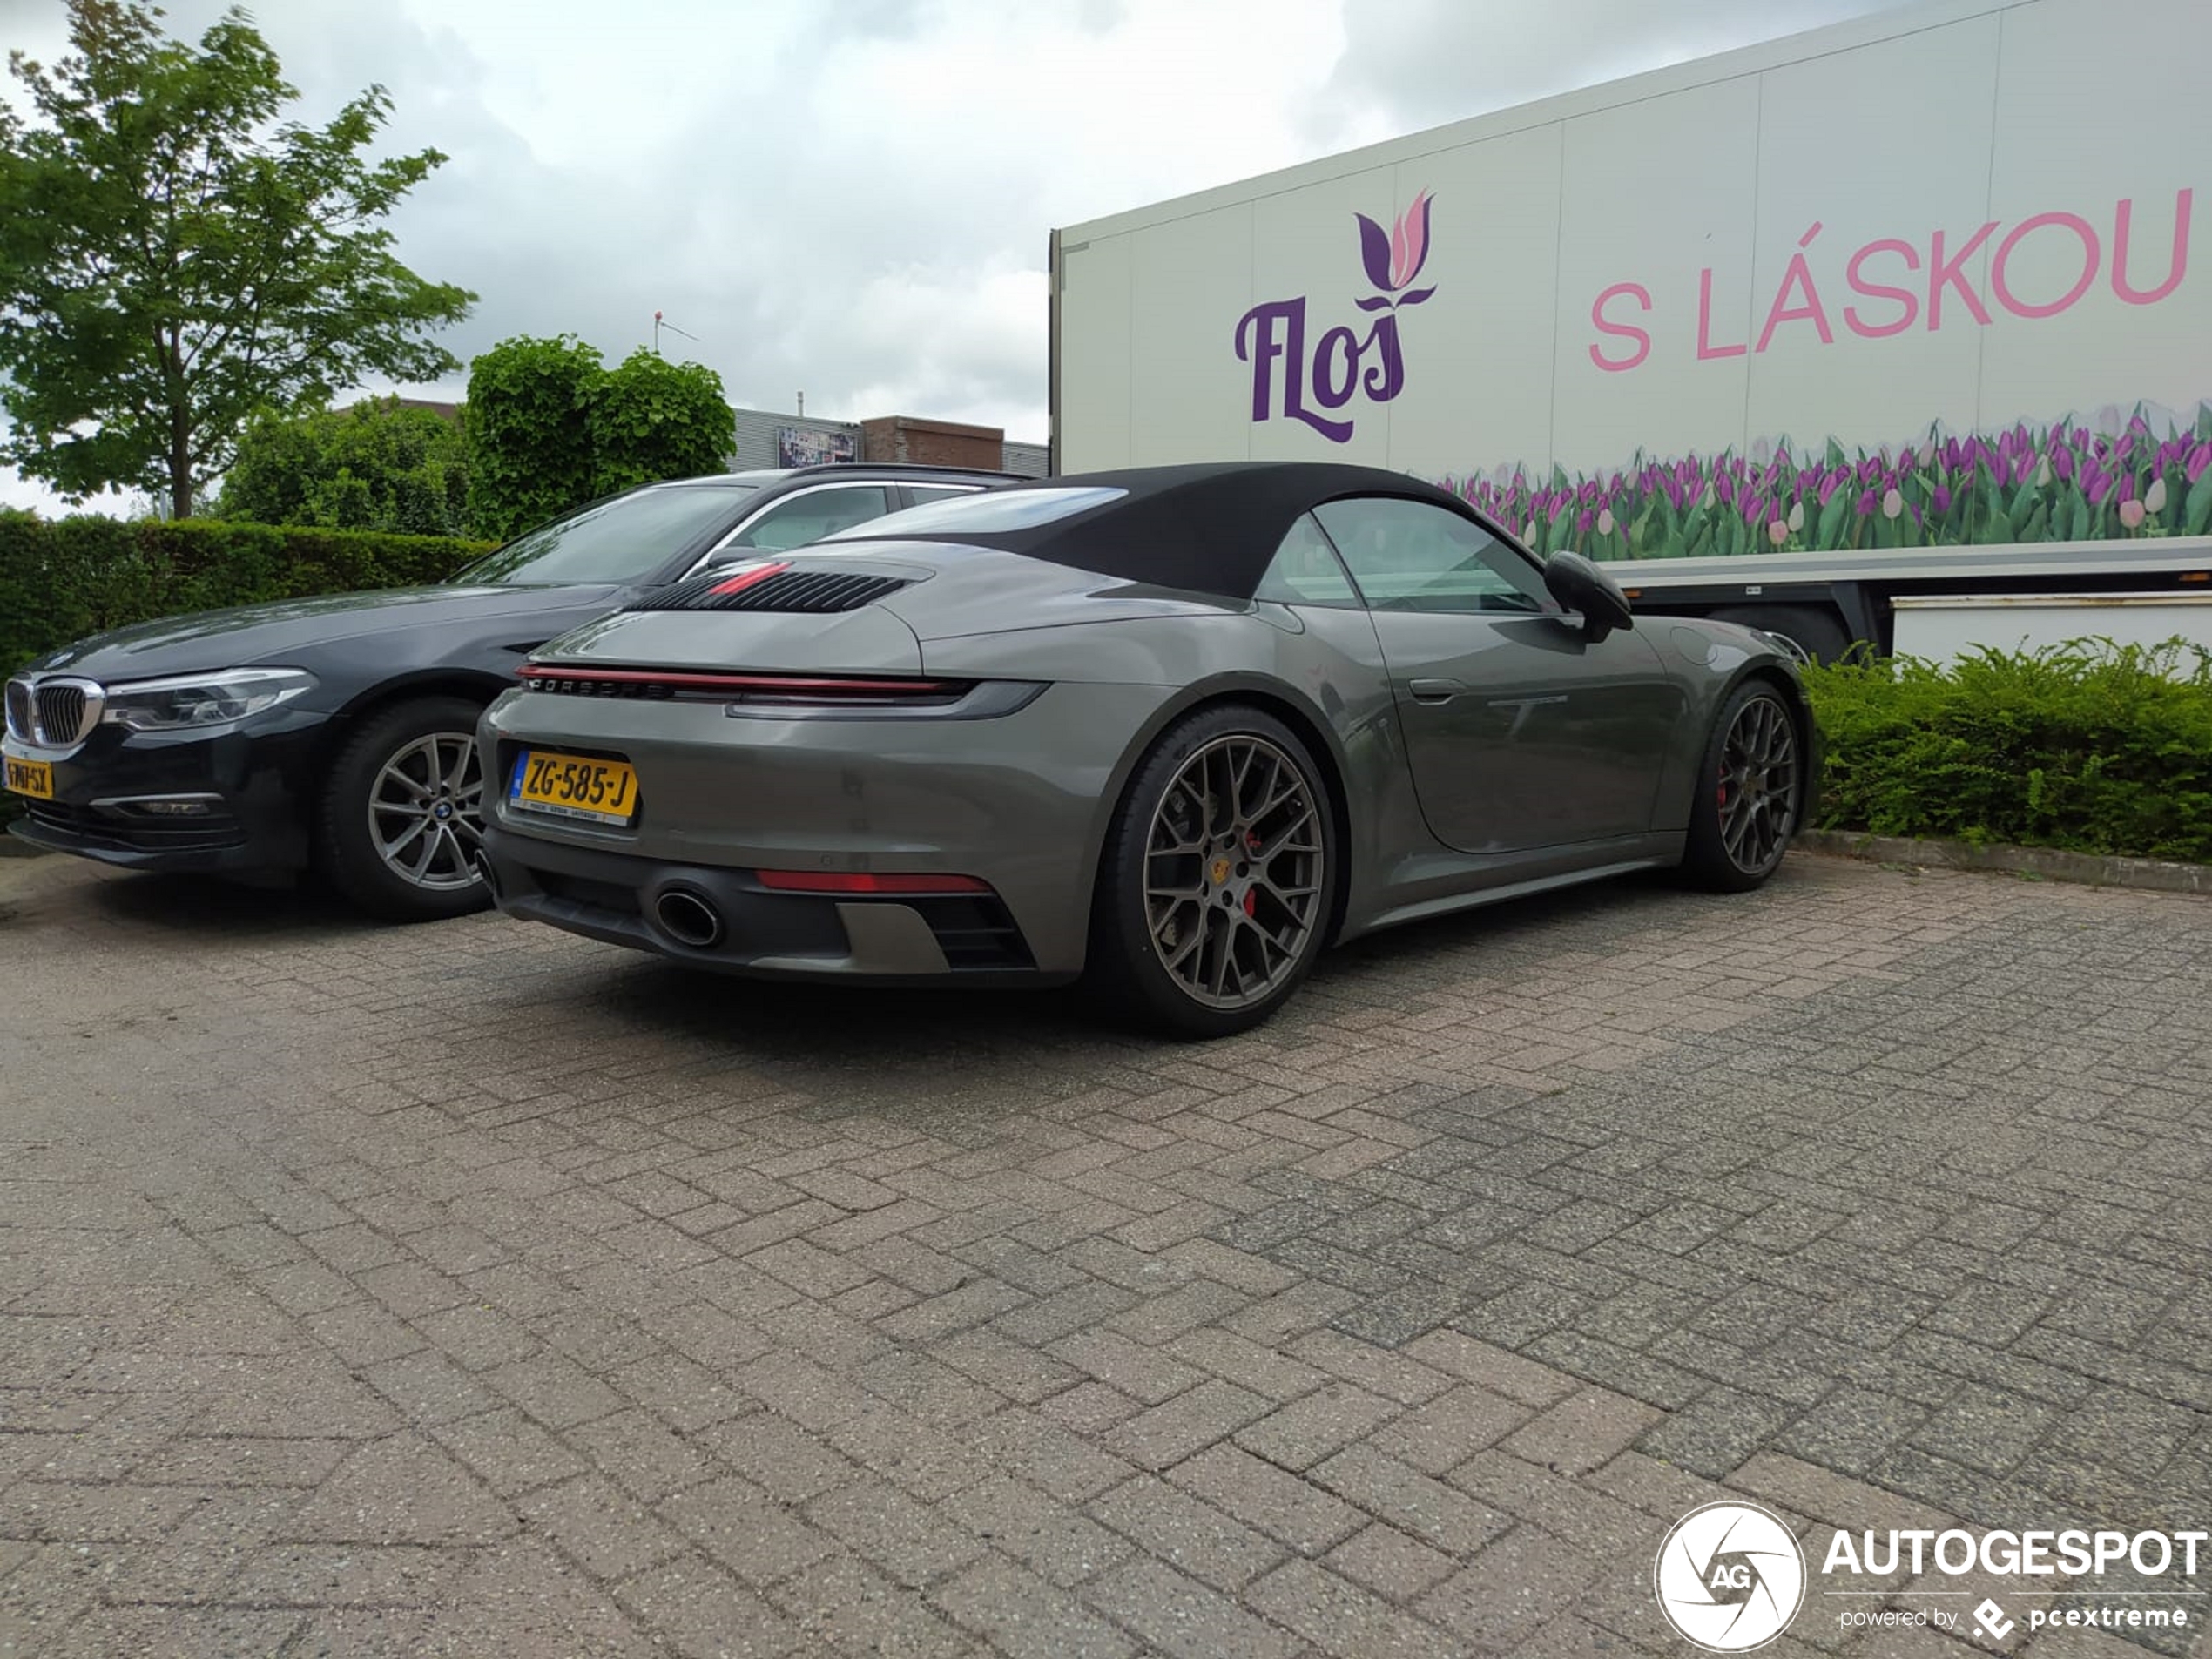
(225, 803)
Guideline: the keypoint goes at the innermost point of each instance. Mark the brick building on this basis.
(768, 439)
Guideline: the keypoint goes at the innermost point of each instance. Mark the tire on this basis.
(1811, 628)
(1750, 791)
(1224, 956)
(394, 832)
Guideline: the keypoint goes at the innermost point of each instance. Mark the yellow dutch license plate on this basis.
(33, 778)
(598, 792)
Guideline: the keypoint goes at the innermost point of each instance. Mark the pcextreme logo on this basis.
(1729, 1577)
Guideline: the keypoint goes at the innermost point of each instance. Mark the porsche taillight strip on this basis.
(661, 683)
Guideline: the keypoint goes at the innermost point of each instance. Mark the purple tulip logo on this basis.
(1393, 260)
(1285, 374)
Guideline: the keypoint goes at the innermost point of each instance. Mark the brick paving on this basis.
(476, 1289)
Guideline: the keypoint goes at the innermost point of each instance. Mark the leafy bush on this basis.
(2090, 746)
(377, 466)
(60, 579)
(549, 429)
(529, 432)
(652, 419)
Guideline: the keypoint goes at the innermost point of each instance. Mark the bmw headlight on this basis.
(195, 702)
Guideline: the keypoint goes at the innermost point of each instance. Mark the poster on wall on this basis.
(799, 446)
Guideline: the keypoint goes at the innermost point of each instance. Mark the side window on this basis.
(800, 519)
(1409, 555)
(917, 494)
(1307, 571)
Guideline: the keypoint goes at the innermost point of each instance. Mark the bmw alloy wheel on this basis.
(425, 812)
(1233, 871)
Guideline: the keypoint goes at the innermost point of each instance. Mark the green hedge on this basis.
(2089, 746)
(60, 579)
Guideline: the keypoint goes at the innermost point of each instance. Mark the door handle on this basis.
(1434, 691)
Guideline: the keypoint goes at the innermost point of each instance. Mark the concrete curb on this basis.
(2049, 863)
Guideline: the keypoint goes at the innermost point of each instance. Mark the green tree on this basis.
(652, 419)
(377, 466)
(529, 432)
(174, 259)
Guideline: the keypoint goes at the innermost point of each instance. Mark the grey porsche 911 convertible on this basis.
(1170, 730)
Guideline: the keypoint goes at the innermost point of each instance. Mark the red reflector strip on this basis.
(744, 579)
(737, 684)
(845, 881)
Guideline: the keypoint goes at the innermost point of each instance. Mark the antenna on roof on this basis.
(659, 324)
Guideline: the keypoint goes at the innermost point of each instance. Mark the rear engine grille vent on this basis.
(775, 588)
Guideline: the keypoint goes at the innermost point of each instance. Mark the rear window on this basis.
(988, 512)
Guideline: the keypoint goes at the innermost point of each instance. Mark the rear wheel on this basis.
(1750, 788)
(402, 812)
(1219, 870)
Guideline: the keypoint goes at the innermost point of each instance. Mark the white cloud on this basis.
(854, 200)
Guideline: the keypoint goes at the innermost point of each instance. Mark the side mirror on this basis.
(1582, 588)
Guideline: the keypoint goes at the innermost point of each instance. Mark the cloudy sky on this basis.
(852, 199)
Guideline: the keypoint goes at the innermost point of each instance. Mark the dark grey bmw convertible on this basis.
(1174, 730)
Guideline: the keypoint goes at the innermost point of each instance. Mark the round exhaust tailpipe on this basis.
(689, 918)
(480, 862)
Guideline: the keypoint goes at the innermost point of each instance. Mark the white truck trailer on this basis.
(1899, 331)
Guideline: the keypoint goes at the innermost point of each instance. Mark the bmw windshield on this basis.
(623, 539)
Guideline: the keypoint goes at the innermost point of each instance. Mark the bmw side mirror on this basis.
(1580, 587)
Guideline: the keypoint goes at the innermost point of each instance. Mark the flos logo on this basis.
(1729, 1577)
(1273, 337)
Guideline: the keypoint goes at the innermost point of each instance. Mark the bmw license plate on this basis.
(32, 778)
(598, 792)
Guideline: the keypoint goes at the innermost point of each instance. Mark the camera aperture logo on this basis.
(1729, 1577)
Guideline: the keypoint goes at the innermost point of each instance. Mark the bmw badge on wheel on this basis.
(1729, 1577)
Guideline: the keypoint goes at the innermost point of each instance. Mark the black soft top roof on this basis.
(1209, 528)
